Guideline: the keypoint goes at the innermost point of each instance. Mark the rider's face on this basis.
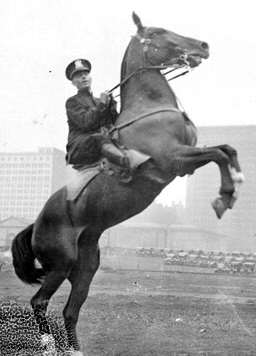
(82, 80)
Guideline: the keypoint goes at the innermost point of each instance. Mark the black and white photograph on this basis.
(127, 178)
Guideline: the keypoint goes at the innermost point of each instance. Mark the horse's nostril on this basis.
(204, 45)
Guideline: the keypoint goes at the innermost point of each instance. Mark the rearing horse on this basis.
(64, 238)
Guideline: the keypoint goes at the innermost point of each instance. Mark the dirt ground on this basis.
(141, 313)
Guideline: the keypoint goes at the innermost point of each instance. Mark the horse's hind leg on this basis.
(53, 279)
(39, 304)
(80, 278)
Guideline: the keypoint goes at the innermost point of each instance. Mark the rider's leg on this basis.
(111, 151)
(115, 155)
(91, 148)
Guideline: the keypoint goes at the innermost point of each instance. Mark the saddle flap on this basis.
(136, 158)
(82, 178)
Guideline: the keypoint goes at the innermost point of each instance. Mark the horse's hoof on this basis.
(219, 207)
(232, 202)
(48, 343)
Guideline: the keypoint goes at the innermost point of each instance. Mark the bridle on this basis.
(146, 42)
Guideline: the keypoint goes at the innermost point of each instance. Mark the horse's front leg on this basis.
(183, 160)
(235, 170)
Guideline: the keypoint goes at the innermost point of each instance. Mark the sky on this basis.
(40, 38)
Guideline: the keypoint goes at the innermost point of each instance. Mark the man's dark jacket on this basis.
(86, 115)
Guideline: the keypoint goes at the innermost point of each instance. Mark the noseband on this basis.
(146, 42)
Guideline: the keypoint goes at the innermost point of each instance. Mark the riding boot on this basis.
(115, 155)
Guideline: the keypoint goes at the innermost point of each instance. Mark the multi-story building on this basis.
(130, 235)
(239, 224)
(27, 179)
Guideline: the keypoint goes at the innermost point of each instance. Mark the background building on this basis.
(9, 228)
(27, 179)
(239, 224)
(130, 235)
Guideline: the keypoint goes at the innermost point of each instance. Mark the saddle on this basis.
(86, 173)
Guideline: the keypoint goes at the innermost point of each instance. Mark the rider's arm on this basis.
(111, 105)
(86, 118)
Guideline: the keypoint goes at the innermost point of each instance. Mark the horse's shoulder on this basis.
(190, 130)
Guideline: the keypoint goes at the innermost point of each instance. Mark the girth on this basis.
(140, 117)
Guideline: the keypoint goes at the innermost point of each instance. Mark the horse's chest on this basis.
(191, 134)
(184, 131)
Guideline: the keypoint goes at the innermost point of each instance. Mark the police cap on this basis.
(77, 66)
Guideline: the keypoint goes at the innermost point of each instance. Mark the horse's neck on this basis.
(148, 89)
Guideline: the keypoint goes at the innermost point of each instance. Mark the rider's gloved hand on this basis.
(105, 97)
(106, 101)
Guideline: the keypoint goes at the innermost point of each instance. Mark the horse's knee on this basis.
(229, 150)
(222, 157)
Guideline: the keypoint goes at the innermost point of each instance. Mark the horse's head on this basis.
(166, 48)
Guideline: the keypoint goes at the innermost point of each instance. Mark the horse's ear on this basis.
(137, 22)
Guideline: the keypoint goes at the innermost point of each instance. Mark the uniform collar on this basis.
(85, 91)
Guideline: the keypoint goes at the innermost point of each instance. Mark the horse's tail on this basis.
(24, 258)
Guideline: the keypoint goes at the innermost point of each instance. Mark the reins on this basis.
(157, 67)
(125, 124)
(121, 126)
(148, 68)
(128, 123)
(134, 73)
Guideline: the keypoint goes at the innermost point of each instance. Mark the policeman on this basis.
(86, 116)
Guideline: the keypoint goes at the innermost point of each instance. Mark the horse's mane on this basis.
(124, 61)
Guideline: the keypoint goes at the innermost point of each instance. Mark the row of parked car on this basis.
(223, 262)
(229, 263)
